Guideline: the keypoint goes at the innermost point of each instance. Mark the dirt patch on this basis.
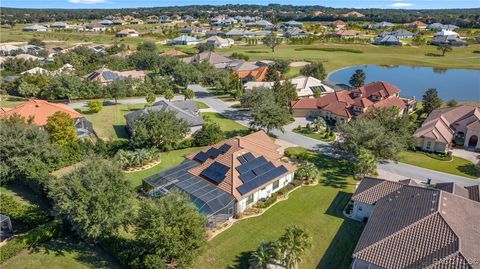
(299, 64)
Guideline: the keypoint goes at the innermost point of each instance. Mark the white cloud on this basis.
(87, 1)
(402, 4)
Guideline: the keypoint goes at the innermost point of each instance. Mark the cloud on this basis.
(402, 4)
(87, 1)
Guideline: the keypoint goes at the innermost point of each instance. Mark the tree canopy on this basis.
(269, 117)
(61, 128)
(357, 79)
(314, 69)
(210, 133)
(431, 100)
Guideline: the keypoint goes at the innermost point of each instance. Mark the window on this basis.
(275, 185)
(429, 144)
(250, 199)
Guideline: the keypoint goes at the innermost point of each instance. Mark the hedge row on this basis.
(31, 238)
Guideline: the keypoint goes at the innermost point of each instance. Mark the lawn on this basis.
(318, 136)
(457, 166)
(23, 194)
(10, 101)
(230, 127)
(201, 105)
(333, 60)
(318, 209)
(109, 123)
(168, 159)
(62, 253)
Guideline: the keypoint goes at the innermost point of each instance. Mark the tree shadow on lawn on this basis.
(468, 169)
(86, 254)
(339, 252)
(121, 131)
(241, 261)
(335, 171)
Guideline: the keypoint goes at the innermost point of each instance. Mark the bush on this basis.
(35, 236)
(438, 156)
(210, 133)
(136, 158)
(95, 106)
(264, 204)
(29, 215)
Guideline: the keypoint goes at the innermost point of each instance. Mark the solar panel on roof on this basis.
(263, 169)
(251, 165)
(261, 180)
(213, 152)
(247, 176)
(248, 156)
(241, 159)
(224, 148)
(215, 172)
(201, 157)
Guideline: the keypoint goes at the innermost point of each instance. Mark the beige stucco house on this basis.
(445, 125)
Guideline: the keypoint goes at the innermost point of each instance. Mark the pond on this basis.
(459, 84)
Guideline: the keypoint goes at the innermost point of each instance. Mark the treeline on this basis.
(460, 17)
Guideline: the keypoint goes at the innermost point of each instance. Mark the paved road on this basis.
(401, 170)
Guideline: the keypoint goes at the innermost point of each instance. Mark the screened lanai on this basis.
(215, 203)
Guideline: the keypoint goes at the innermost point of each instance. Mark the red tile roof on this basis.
(258, 74)
(40, 110)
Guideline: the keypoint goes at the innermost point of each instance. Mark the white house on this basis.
(59, 25)
(128, 33)
(36, 71)
(219, 42)
(184, 40)
(7, 49)
(444, 32)
(305, 86)
(35, 28)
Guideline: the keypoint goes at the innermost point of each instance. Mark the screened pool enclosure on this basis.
(216, 204)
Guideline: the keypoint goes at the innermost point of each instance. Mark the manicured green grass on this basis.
(457, 166)
(318, 136)
(317, 209)
(381, 55)
(109, 123)
(11, 101)
(230, 127)
(62, 253)
(201, 105)
(24, 195)
(168, 160)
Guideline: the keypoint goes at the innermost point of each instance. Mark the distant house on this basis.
(152, 19)
(294, 24)
(387, 40)
(128, 33)
(399, 34)
(438, 26)
(454, 41)
(343, 105)
(59, 25)
(35, 28)
(257, 74)
(36, 71)
(338, 24)
(215, 32)
(8, 50)
(449, 27)
(118, 22)
(304, 86)
(411, 226)
(381, 25)
(353, 14)
(227, 178)
(219, 42)
(194, 30)
(41, 110)
(185, 110)
(446, 33)
(416, 24)
(213, 58)
(137, 21)
(344, 33)
(238, 33)
(445, 125)
(31, 49)
(95, 27)
(262, 24)
(184, 40)
(295, 32)
(105, 75)
(106, 22)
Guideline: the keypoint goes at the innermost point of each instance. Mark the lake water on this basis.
(459, 84)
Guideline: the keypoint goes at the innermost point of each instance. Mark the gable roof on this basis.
(185, 110)
(209, 56)
(257, 74)
(416, 227)
(41, 110)
(103, 75)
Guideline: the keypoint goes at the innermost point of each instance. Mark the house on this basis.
(213, 58)
(445, 125)
(95, 27)
(106, 22)
(41, 110)
(387, 40)
(185, 110)
(262, 24)
(35, 28)
(416, 24)
(227, 178)
(257, 74)
(52, 51)
(294, 24)
(133, 74)
(238, 33)
(184, 40)
(295, 32)
(8, 50)
(399, 34)
(152, 19)
(118, 22)
(338, 24)
(305, 86)
(36, 71)
(218, 42)
(127, 33)
(137, 21)
(105, 75)
(410, 226)
(59, 25)
(449, 27)
(381, 25)
(31, 49)
(173, 53)
(343, 105)
(27, 57)
(65, 69)
(344, 33)
(444, 32)
(454, 41)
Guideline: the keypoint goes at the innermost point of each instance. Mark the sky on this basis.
(406, 4)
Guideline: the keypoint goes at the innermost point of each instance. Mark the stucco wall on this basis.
(469, 134)
(361, 210)
(434, 146)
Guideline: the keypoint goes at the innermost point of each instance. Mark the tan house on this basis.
(128, 33)
(341, 106)
(410, 226)
(443, 126)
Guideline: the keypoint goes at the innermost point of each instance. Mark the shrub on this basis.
(95, 106)
(210, 133)
(264, 204)
(35, 236)
(29, 215)
(295, 183)
(136, 158)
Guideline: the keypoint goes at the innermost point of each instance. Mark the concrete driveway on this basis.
(472, 156)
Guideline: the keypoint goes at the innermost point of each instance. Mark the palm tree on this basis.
(292, 245)
(263, 256)
(307, 171)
